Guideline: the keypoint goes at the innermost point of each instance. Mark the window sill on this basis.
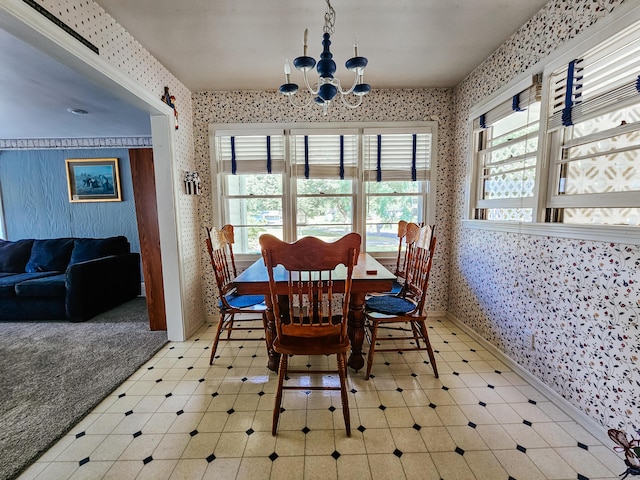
(600, 233)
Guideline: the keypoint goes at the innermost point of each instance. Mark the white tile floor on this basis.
(179, 418)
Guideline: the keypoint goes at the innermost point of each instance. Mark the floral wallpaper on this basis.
(581, 299)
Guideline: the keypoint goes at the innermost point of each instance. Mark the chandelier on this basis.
(327, 86)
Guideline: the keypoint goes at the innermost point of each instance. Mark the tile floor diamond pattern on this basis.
(201, 422)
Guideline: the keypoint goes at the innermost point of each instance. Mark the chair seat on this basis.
(311, 346)
(395, 288)
(243, 301)
(389, 304)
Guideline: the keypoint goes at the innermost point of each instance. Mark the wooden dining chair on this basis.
(311, 308)
(230, 304)
(407, 306)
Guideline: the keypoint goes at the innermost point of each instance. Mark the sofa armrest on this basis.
(98, 285)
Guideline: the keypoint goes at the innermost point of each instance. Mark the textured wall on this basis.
(379, 106)
(36, 203)
(580, 298)
(122, 51)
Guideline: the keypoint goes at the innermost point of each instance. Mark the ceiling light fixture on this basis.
(327, 86)
(77, 111)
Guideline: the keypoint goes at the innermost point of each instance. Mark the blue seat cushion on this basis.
(14, 255)
(243, 301)
(50, 255)
(8, 283)
(389, 305)
(51, 286)
(395, 288)
(91, 248)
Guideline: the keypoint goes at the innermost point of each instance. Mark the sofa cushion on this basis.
(14, 255)
(91, 248)
(49, 286)
(9, 282)
(50, 255)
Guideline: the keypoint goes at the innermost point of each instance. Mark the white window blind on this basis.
(324, 154)
(606, 76)
(242, 153)
(517, 103)
(392, 156)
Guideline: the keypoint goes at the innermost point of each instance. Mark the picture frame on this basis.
(93, 180)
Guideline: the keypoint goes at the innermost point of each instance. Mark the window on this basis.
(323, 181)
(396, 175)
(324, 172)
(562, 157)
(594, 135)
(505, 157)
(250, 179)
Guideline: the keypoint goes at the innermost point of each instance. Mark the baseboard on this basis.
(586, 422)
(211, 319)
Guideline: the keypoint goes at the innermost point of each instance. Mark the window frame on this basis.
(289, 178)
(531, 86)
(624, 16)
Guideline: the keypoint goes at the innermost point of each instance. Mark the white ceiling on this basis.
(36, 92)
(242, 44)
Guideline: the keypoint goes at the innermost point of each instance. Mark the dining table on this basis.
(369, 275)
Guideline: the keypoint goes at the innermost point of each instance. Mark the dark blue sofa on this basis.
(66, 278)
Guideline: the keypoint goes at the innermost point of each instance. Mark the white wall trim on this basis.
(600, 233)
(590, 425)
(162, 128)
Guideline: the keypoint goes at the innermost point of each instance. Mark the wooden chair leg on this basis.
(230, 326)
(372, 348)
(416, 333)
(216, 339)
(342, 371)
(432, 358)
(282, 371)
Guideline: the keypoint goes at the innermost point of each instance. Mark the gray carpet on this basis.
(53, 373)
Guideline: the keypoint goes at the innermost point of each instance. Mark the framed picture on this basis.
(93, 180)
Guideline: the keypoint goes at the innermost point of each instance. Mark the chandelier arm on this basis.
(306, 82)
(355, 82)
(349, 105)
(300, 105)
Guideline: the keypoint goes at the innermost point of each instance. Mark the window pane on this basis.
(604, 173)
(510, 214)
(517, 149)
(602, 216)
(328, 213)
(254, 211)
(327, 234)
(383, 214)
(254, 184)
(510, 181)
(606, 121)
(324, 186)
(516, 121)
(394, 187)
(246, 238)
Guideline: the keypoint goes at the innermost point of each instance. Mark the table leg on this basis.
(355, 330)
(270, 335)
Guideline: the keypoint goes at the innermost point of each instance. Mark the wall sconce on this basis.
(192, 183)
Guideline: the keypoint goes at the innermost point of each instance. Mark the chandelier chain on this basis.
(330, 20)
